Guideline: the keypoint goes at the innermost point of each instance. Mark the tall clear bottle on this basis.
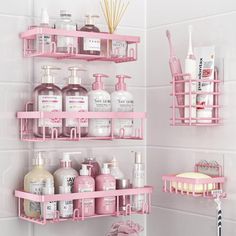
(66, 44)
(75, 99)
(48, 98)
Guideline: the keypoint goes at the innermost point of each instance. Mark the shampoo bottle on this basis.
(99, 101)
(85, 183)
(34, 182)
(122, 101)
(48, 98)
(105, 182)
(91, 46)
(75, 99)
(65, 172)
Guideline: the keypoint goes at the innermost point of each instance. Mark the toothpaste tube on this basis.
(205, 57)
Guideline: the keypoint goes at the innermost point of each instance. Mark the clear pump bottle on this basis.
(66, 44)
(91, 46)
(48, 98)
(75, 99)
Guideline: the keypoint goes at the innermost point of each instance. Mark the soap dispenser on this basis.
(75, 99)
(91, 46)
(48, 98)
(85, 183)
(99, 101)
(122, 101)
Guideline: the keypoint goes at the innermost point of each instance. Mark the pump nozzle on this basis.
(121, 85)
(66, 161)
(105, 168)
(74, 78)
(44, 17)
(90, 19)
(47, 77)
(98, 81)
(84, 171)
(39, 159)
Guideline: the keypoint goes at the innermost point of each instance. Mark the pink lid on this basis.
(121, 82)
(98, 81)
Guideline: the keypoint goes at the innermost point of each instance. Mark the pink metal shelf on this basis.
(172, 182)
(79, 213)
(30, 49)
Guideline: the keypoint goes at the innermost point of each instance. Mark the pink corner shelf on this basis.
(30, 49)
(79, 213)
(190, 186)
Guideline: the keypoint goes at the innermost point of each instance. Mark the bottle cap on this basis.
(66, 161)
(105, 169)
(65, 188)
(84, 171)
(98, 84)
(39, 159)
(90, 19)
(74, 78)
(121, 85)
(47, 77)
(138, 158)
(44, 16)
(65, 13)
(49, 187)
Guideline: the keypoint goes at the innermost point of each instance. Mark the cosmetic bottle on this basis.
(105, 182)
(75, 99)
(191, 69)
(48, 98)
(65, 172)
(122, 101)
(115, 170)
(65, 207)
(123, 200)
(94, 166)
(43, 42)
(138, 181)
(90, 46)
(34, 182)
(48, 209)
(66, 44)
(85, 183)
(99, 101)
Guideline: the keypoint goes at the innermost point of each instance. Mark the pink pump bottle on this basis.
(105, 182)
(85, 183)
(95, 167)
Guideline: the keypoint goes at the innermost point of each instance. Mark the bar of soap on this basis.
(199, 188)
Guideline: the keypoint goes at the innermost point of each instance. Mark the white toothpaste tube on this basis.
(205, 57)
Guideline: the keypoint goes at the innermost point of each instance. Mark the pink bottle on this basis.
(105, 182)
(95, 167)
(85, 183)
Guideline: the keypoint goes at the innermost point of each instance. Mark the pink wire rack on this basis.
(78, 214)
(31, 50)
(177, 109)
(190, 186)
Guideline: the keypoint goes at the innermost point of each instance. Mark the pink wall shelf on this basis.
(79, 213)
(196, 187)
(30, 48)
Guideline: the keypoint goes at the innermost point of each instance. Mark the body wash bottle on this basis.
(75, 99)
(99, 101)
(48, 98)
(34, 182)
(66, 44)
(85, 183)
(91, 46)
(105, 182)
(122, 101)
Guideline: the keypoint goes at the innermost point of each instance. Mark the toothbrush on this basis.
(175, 68)
(217, 194)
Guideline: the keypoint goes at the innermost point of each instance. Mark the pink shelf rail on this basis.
(190, 186)
(30, 48)
(28, 118)
(181, 81)
(78, 214)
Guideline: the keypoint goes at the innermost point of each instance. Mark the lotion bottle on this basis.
(105, 182)
(75, 99)
(122, 101)
(85, 183)
(34, 182)
(65, 172)
(48, 98)
(115, 170)
(99, 101)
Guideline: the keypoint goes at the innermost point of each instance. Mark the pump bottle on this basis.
(91, 46)
(85, 183)
(99, 101)
(122, 101)
(48, 98)
(115, 170)
(75, 99)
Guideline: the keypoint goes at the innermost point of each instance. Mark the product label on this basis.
(65, 42)
(46, 39)
(138, 178)
(119, 48)
(109, 201)
(50, 210)
(88, 202)
(92, 44)
(70, 181)
(65, 208)
(77, 104)
(35, 188)
(50, 103)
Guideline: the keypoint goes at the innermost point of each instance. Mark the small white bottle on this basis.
(115, 170)
(138, 181)
(65, 207)
(48, 209)
(122, 101)
(99, 101)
